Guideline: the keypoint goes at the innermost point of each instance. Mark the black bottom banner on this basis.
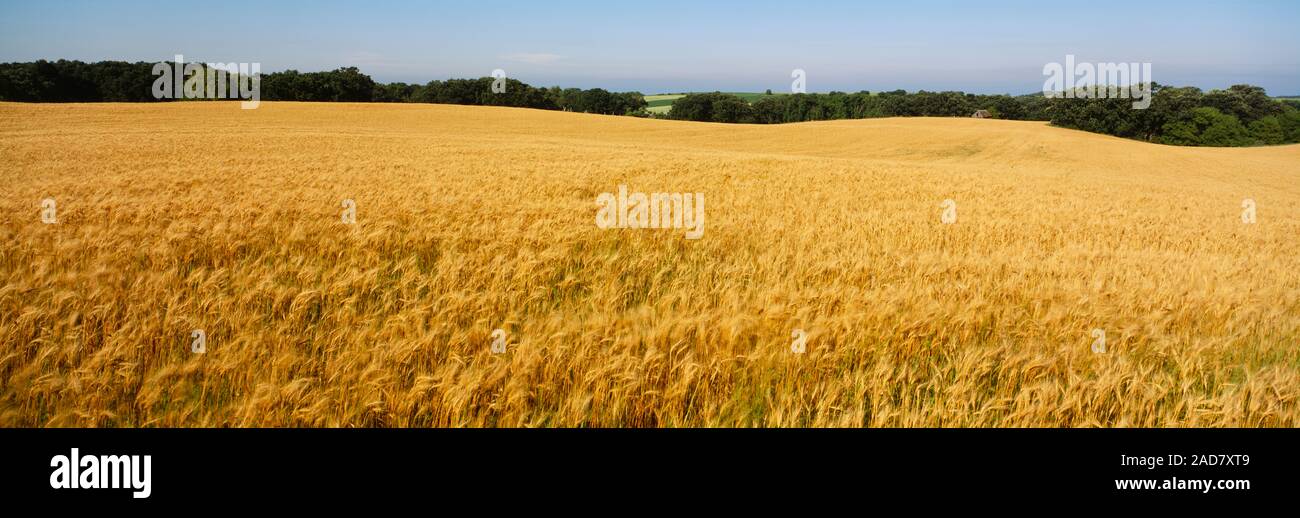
(152, 468)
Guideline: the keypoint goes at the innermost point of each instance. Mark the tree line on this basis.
(776, 109)
(120, 81)
(1242, 115)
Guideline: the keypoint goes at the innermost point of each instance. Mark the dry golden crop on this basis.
(174, 217)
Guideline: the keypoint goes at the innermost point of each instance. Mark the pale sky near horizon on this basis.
(982, 47)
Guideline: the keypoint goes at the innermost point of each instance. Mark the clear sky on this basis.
(994, 46)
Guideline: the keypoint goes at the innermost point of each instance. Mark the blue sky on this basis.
(984, 47)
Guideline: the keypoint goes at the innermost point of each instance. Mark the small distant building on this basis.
(982, 114)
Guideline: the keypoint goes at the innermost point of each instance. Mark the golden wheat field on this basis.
(174, 217)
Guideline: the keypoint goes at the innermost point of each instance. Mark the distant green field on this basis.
(663, 103)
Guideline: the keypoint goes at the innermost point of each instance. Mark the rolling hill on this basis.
(177, 217)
